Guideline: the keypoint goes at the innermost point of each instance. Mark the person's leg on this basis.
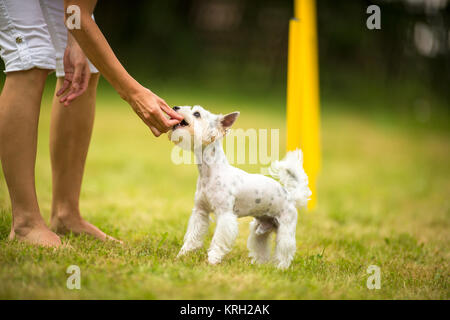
(70, 134)
(20, 102)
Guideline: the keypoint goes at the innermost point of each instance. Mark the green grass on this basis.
(383, 200)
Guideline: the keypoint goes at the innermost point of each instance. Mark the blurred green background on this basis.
(385, 179)
(240, 46)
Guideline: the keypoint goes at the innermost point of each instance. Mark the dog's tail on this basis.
(292, 176)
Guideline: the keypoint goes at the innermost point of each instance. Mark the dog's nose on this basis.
(176, 108)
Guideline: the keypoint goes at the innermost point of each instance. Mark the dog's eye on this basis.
(196, 114)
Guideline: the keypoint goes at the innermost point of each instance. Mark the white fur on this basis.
(232, 193)
(293, 177)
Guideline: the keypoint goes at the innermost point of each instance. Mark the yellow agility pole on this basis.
(303, 124)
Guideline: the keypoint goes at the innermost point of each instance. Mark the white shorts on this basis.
(33, 35)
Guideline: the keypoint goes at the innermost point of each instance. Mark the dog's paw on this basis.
(214, 260)
(258, 260)
(253, 258)
(282, 265)
(182, 252)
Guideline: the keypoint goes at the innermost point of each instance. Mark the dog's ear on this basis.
(227, 120)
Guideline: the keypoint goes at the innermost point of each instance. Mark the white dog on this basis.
(232, 193)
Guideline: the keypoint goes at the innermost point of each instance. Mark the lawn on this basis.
(383, 200)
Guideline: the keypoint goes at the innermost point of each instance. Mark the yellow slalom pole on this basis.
(294, 100)
(303, 124)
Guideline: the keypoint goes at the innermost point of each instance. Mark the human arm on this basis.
(148, 106)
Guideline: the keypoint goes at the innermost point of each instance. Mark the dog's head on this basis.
(200, 127)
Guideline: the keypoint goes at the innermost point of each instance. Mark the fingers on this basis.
(149, 120)
(77, 86)
(65, 86)
(175, 117)
(170, 112)
(157, 125)
(82, 86)
(153, 127)
(159, 120)
(155, 131)
(74, 85)
(154, 112)
(164, 123)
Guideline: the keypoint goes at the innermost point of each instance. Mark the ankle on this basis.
(24, 223)
(65, 212)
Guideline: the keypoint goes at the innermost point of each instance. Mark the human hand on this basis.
(152, 110)
(77, 74)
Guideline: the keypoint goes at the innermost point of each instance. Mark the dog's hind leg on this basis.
(224, 237)
(258, 242)
(196, 231)
(285, 240)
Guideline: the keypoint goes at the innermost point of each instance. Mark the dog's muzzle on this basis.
(183, 123)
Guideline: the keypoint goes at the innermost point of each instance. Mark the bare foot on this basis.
(77, 225)
(37, 234)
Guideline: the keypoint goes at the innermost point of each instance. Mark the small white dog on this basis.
(232, 193)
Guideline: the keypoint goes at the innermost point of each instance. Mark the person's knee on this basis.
(92, 85)
(93, 81)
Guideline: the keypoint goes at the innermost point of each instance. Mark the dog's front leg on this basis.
(196, 231)
(224, 237)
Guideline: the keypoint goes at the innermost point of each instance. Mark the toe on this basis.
(109, 238)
